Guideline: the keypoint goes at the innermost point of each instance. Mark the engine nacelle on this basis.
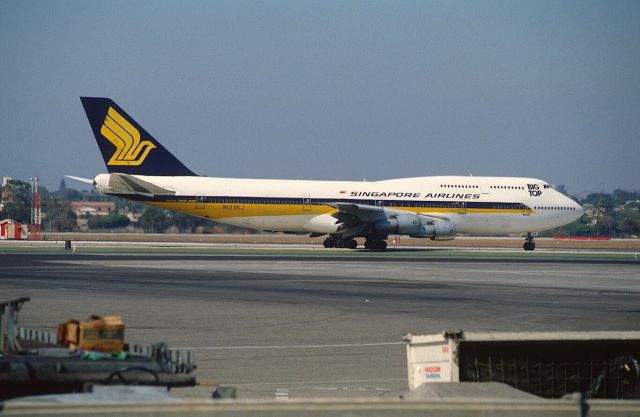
(324, 223)
(403, 223)
(436, 229)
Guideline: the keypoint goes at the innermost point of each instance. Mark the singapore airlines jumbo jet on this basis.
(438, 208)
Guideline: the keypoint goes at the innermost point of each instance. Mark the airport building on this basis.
(94, 208)
(11, 229)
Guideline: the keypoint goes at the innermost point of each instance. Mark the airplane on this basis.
(435, 207)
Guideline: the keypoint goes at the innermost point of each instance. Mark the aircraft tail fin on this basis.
(125, 146)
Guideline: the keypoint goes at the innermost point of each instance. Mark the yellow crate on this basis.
(105, 334)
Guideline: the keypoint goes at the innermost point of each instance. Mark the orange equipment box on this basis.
(104, 334)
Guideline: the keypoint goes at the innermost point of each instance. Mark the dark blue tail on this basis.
(126, 147)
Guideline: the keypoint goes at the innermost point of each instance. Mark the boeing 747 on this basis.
(437, 208)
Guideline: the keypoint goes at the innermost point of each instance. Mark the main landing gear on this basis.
(529, 244)
(332, 242)
(375, 244)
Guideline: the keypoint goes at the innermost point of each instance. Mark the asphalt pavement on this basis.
(316, 327)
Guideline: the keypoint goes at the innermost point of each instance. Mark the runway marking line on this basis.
(347, 381)
(290, 346)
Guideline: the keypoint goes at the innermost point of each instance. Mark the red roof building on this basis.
(11, 229)
(95, 208)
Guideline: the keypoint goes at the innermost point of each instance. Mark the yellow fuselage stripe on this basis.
(229, 210)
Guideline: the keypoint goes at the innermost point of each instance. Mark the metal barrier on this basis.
(9, 311)
(33, 335)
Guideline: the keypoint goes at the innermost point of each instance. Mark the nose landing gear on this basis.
(529, 244)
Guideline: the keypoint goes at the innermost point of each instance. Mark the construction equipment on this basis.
(104, 334)
(32, 363)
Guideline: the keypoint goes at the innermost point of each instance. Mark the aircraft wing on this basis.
(357, 218)
(128, 184)
(435, 216)
(368, 214)
(363, 212)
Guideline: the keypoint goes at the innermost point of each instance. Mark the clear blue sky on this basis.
(331, 90)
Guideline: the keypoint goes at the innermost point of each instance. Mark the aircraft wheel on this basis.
(352, 244)
(378, 245)
(329, 243)
(340, 243)
(529, 243)
(375, 244)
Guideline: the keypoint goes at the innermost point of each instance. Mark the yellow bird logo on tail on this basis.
(130, 150)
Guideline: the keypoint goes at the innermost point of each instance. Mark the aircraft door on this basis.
(306, 203)
(201, 201)
(462, 207)
(484, 187)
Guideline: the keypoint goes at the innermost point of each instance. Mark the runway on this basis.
(328, 326)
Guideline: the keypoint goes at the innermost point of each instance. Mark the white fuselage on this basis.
(477, 205)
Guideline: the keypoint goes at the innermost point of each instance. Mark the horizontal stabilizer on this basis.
(80, 179)
(128, 184)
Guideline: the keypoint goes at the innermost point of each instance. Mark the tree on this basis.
(19, 208)
(599, 200)
(621, 196)
(630, 226)
(59, 216)
(630, 223)
(110, 221)
(154, 220)
(188, 224)
(69, 194)
(606, 225)
(19, 213)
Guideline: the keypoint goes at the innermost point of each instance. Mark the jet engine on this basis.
(402, 223)
(436, 229)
